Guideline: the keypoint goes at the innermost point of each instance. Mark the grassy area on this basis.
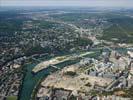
(61, 58)
(11, 98)
(120, 31)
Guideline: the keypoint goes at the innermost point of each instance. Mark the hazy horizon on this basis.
(72, 3)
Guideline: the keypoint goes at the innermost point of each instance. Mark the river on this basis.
(30, 80)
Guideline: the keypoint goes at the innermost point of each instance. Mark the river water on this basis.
(30, 80)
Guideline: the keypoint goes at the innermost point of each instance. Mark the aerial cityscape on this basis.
(66, 53)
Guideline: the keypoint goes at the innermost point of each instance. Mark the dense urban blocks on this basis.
(66, 54)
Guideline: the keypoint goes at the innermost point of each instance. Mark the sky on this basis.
(82, 3)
